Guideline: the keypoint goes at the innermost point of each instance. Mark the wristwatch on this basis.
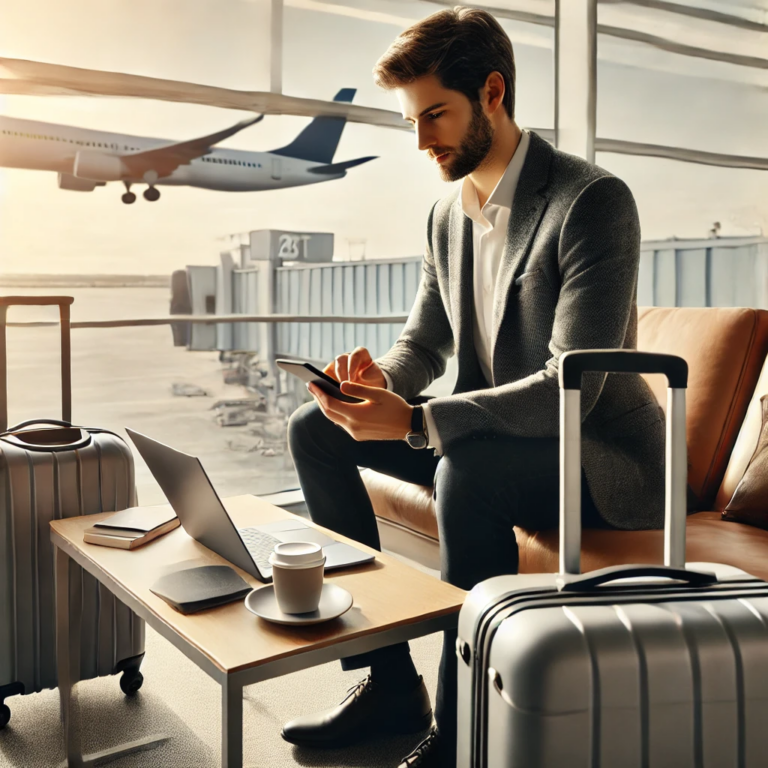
(418, 437)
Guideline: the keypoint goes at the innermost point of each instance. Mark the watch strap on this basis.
(417, 419)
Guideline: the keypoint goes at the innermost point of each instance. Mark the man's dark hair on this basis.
(460, 46)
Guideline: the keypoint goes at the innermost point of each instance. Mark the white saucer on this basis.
(334, 601)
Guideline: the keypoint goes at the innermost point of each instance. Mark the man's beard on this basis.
(473, 149)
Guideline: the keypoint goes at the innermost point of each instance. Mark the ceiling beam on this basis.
(661, 43)
(38, 79)
(681, 154)
(665, 44)
(695, 13)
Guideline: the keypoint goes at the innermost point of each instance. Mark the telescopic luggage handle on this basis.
(63, 303)
(572, 365)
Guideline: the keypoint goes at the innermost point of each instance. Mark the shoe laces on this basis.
(421, 752)
(359, 688)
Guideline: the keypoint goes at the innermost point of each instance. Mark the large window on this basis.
(60, 214)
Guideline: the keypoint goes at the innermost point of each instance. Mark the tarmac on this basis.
(126, 376)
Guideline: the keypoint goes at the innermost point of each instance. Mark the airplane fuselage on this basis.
(36, 145)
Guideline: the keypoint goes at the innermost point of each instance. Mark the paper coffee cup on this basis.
(297, 574)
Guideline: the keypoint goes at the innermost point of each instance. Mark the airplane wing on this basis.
(166, 159)
(36, 78)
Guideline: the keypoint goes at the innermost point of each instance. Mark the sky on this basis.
(643, 95)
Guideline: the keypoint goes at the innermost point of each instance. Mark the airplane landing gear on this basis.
(152, 194)
(129, 197)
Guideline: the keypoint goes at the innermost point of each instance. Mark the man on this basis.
(536, 254)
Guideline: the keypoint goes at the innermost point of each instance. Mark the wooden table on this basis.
(393, 603)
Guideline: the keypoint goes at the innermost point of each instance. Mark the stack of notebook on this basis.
(132, 527)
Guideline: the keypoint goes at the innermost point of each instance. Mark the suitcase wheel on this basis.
(13, 689)
(130, 681)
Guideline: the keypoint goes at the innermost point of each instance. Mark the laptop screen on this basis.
(194, 500)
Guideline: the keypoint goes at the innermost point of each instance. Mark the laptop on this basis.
(202, 515)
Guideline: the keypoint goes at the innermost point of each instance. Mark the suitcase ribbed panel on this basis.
(41, 489)
(36, 487)
(679, 684)
(7, 566)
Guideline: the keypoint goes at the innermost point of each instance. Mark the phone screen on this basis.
(309, 374)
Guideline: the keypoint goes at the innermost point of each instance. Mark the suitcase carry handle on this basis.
(83, 438)
(594, 579)
(572, 365)
(63, 303)
(58, 423)
(63, 437)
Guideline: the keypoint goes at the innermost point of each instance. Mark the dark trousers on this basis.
(482, 489)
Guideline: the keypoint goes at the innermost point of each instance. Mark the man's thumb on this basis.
(361, 390)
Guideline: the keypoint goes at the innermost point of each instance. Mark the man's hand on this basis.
(357, 367)
(384, 415)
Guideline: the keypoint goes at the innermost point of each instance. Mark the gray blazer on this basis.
(567, 280)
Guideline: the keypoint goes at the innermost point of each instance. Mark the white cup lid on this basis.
(297, 554)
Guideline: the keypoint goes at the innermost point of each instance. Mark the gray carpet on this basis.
(179, 700)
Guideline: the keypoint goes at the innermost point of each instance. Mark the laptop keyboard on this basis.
(260, 545)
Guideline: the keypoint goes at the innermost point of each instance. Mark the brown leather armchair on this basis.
(726, 353)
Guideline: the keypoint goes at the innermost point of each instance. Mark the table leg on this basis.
(69, 580)
(231, 724)
(68, 655)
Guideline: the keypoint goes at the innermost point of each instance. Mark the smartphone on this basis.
(309, 374)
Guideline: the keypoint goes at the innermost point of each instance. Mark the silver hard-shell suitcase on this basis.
(666, 668)
(49, 470)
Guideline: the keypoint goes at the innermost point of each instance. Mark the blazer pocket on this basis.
(531, 279)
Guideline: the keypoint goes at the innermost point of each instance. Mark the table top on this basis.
(386, 592)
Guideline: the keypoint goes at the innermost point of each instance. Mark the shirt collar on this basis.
(504, 191)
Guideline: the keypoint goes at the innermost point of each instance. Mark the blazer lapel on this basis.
(527, 209)
(460, 252)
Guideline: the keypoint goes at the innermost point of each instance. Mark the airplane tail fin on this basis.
(318, 141)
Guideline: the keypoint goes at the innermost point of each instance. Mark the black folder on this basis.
(194, 589)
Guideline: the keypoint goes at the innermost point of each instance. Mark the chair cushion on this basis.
(400, 502)
(709, 538)
(746, 443)
(725, 349)
(750, 500)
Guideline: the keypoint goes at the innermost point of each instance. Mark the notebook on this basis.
(132, 527)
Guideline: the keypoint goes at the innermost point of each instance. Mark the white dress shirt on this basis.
(489, 234)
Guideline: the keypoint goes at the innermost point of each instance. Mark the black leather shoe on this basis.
(367, 710)
(426, 755)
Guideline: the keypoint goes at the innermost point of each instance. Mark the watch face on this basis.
(416, 440)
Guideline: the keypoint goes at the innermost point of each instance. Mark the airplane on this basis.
(85, 159)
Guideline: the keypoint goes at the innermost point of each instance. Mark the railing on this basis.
(216, 319)
(279, 383)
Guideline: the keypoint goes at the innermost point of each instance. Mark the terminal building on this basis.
(293, 273)
(285, 273)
